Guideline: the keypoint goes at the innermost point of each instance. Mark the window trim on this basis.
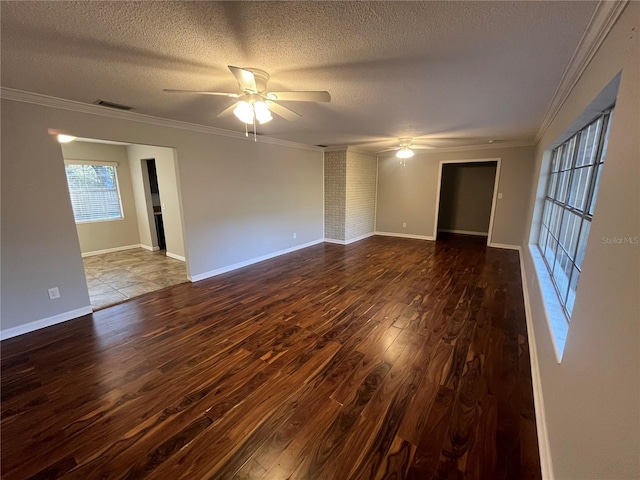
(114, 165)
(583, 214)
(555, 318)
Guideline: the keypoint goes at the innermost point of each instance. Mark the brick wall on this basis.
(349, 194)
(361, 194)
(335, 180)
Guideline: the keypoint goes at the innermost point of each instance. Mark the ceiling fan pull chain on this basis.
(255, 137)
(246, 130)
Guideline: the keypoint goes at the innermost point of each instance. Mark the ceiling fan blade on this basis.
(224, 94)
(246, 79)
(309, 96)
(394, 149)
(283, 111)
(228, 110)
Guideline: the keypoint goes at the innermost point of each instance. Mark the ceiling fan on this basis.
(255, 103)
(406, 147)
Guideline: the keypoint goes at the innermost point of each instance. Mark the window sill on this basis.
(84, 222)
(556, 318)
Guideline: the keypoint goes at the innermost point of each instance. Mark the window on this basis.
(93, 188)
(572, 188)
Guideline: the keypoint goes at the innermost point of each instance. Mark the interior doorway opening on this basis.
(156, 202)
(128, 248)
(466, 199)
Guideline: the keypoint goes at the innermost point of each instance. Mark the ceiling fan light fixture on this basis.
(244, 112)
(263, 115)
(404, 152)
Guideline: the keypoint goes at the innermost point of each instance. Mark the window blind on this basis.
(93, 188)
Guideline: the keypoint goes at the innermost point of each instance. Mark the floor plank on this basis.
(386, 358)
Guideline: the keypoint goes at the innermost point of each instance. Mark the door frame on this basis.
(494, 199)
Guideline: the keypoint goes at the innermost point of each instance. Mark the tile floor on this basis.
(115, 277)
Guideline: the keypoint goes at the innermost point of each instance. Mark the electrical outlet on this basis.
(54, 293)
(404, 225)
(295, 235)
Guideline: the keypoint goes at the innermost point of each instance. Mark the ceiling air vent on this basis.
(117, 106)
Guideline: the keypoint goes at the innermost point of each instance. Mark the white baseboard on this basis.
(361, 237)
(406, 235)
(465, 232)
(505, 245)
(351, 240)
(111, 250)
(177, 257)
(235, 266)
(541, 422)
(45, 322)
(151, 249)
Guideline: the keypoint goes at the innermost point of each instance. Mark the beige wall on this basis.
(466, 196)
(408, 193)
(96, 236)
(360, 195)
(167, 170)
(592, 398)
(241, 201)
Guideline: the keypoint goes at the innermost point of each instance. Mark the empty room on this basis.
(320, 240)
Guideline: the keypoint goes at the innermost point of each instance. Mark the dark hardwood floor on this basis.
(387, 358)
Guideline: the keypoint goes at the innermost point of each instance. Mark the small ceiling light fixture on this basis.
(251, 110)
(244, 112)
(263, 115)
(63, 138)
(404, 152)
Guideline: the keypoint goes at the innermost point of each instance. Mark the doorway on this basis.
(156, 202)
(466, 199)
(114, 190)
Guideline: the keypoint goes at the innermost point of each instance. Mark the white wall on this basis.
(168, 185)
(241, 200)
(143, 200)
(96, 236)
(592, 398)
(408, 194)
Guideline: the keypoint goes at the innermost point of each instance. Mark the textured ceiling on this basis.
(466, 71)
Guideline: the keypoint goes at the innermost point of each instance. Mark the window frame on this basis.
(564, 208)
(114, 165)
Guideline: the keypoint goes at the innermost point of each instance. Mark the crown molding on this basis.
(79, 107)
(603, 19)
